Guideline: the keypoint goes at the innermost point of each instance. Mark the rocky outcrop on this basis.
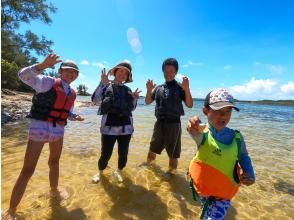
(14, 105)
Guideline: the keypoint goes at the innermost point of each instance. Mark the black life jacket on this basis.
(168, 98)
(117, 103)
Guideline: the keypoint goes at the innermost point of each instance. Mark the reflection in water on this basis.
(146, 194)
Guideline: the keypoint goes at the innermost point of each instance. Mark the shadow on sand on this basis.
(284, 187)
(132, 201)
(59, 212)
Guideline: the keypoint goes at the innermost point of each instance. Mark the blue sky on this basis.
(244, 46)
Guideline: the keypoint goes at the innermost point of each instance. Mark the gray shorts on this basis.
(166, 135)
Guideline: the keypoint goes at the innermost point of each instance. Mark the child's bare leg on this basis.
(151, 157)
(32, 155)
(53, 162)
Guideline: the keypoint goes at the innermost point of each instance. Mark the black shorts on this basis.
(166, 135)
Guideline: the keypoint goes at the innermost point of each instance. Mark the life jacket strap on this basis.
(195, 195)
(207, 202)
(57, 109)
(55, 119)
(60, 110)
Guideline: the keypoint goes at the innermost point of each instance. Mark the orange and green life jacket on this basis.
(214, 170)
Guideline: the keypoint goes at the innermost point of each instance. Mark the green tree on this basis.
(9, 77)
(82, 90)
(17, 48)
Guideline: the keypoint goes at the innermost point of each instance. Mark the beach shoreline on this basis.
(16, 105)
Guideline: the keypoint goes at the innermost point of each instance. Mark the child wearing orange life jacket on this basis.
(214, 171)
(52, 106)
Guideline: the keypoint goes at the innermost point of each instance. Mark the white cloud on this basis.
(228, 67)
(254, 86)
(191, 63)
(273, 69)
(258, 89)
(85, 62)
(288, 88)
(134, 40)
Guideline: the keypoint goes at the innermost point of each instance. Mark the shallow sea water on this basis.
(145, 193)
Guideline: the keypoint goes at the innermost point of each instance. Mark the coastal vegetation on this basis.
(18, 48)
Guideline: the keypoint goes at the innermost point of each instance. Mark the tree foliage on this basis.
(18, 49)
(82, 90)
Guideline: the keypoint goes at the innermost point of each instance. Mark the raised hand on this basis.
(49, 62)
(104, 77)
(150, 85)
(136, 93)
(193, 125)
(185, 83)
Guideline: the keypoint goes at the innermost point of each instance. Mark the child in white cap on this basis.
(214, 171)
(52, 105)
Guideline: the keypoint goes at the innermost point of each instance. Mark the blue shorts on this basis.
(217, 210)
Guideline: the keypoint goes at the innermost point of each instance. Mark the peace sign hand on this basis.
(104, 77)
